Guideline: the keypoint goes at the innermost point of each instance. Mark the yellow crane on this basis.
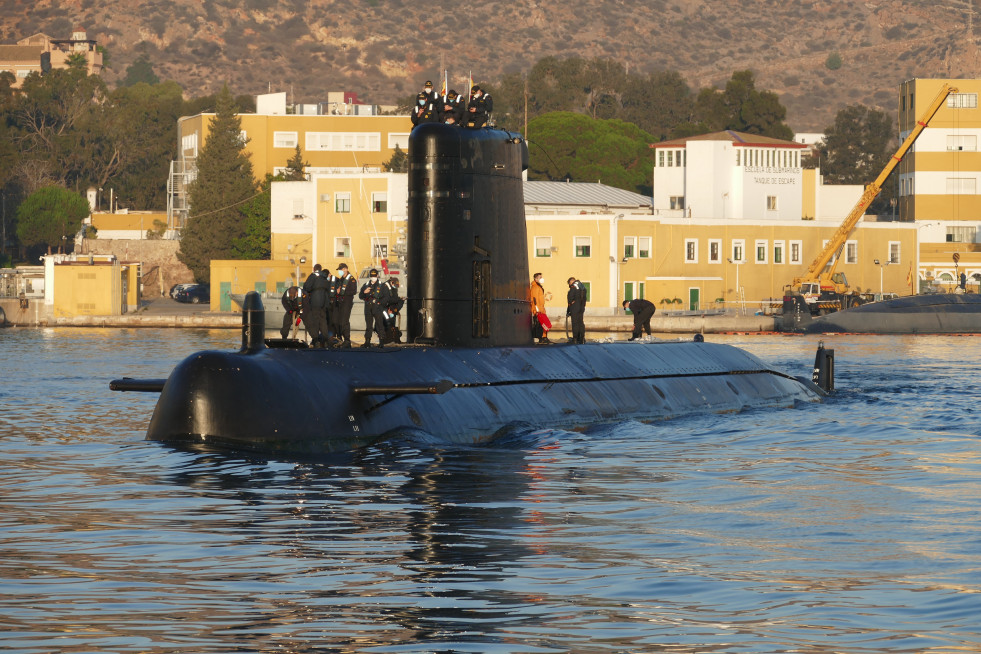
(821, 286)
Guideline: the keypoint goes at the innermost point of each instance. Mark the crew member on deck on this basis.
(643, 312)
(391, 304)
(576, 306)
(345, 289)
(479, 109)
(538, 297)
(371, 293)
(425, 111)
(316, 287)
(293, 304)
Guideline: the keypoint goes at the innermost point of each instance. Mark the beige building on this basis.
(940, 179)
(41, 53)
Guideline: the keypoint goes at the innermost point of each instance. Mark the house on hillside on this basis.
(41, 53)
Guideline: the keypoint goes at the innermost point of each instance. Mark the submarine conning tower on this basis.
(467, 248)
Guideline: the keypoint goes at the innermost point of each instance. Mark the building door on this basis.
(693, 299)
(224, 297)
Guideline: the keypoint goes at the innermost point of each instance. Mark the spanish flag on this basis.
(909, 277)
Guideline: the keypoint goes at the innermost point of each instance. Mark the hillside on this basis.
(385, 49)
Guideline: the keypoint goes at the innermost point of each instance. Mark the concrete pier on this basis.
(165, 312)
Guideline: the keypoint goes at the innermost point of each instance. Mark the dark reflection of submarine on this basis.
(472, 370)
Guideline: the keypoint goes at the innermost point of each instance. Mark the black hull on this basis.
(310, 402)
(950, 313)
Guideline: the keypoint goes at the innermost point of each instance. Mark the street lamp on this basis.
(881, 267)
(737, 264)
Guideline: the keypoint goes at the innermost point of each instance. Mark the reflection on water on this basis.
(846, 526)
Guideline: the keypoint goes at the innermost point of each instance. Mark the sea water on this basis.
(852, 525)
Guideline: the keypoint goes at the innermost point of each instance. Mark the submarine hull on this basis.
(950, 313)
(320, 401)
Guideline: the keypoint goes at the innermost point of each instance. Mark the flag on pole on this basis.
(469, 81)
(909, 276)
(442, 91)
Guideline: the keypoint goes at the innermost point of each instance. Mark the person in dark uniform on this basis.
(576, 306)
(293, 304)
(425, 111)
(452, 108)
(345, 288)
(479, 109)
(643, 312)
(430, 92)
(316, 287)
(391, 304)
(371, 293)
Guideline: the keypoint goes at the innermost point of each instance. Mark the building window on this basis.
(761, 249)
(343, 141)
(629, 247)
(737, 157)
(670, 158)
(284, 139)
(298, 212)
(644, 247)
(962, 234)
(962, 101)
(715, 250)
(795, 251)
(739, 250)
(771, 203)
(660, 159)
(966, 142)
(677, 202)
(851, 252)
(342, 246)
(583, 245)
(189, 144)
(379, 202)
(691, 250)
(398, 140)
(543, 246)
(586, 285)
(961, 186)
(342, 203)
(834, 255)
(893, 251)
(778, 248)
(379, 247)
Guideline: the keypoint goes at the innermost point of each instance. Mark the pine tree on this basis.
(223, 185)
(294, 167)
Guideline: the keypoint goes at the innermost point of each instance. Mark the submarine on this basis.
(933, 313)
(469, 370)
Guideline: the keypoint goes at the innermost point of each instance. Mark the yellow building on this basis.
(939, 186)
(239, 277)
(329, 144)
(90, 287)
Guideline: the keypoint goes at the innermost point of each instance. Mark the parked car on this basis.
(194, 293)
(176, 288)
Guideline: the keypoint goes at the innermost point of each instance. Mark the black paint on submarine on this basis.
(470, 370)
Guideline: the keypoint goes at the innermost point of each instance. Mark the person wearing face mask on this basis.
(425, 110)
(538, 298)
(345, 288)
(372, 294)
(391, 304)
(452, 109)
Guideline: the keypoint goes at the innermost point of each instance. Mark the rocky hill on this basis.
(385, 49)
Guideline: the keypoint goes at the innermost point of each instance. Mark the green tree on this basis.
(255, 242)
(743, 108)
(294, 167)
(855, 149)
(583, 149)
(141, 70)
(657, 103)
(833, 62)
(224, 183)
(51, 216)
(399, 163)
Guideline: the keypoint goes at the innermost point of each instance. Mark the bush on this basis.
(833, 62)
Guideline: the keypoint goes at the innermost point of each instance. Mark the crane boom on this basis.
(816, 270)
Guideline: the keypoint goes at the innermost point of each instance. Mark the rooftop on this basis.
(737, 138)
(582, 194)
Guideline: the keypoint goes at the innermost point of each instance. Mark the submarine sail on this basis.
(471, 370)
